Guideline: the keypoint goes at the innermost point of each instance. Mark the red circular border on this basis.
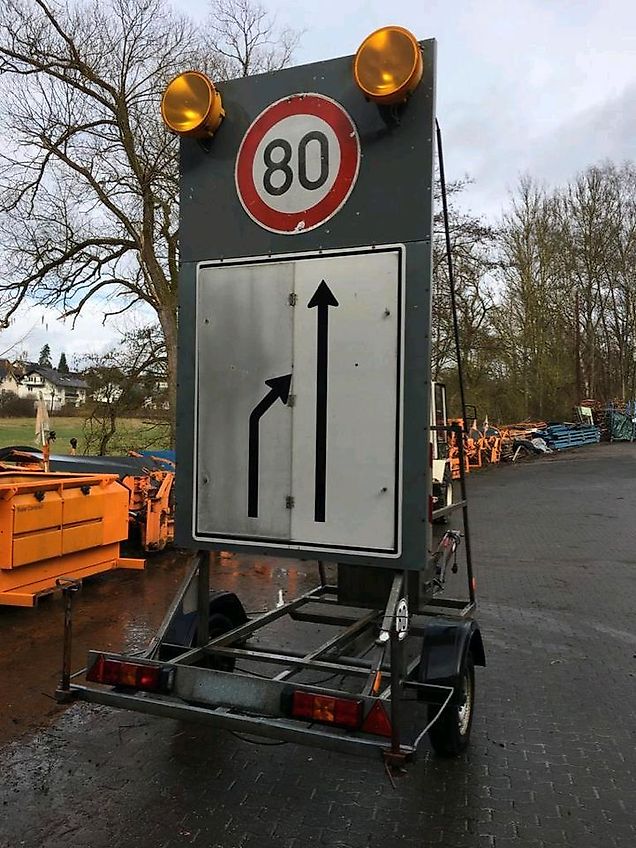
(347, 135)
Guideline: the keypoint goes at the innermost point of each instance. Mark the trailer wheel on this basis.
(218, 625)
(226, 613)
(450, 734)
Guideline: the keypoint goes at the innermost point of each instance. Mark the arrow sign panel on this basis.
(322, 298)
(325, 476)
(279, 390)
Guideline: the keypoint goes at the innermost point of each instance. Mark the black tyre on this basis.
(450, 734)
(183, 632)
(218, 625)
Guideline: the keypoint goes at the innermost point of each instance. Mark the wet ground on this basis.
(552, 758)
(116, 611)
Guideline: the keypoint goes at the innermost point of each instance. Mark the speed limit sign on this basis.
(297, 163)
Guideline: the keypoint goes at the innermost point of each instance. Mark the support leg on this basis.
(203, 599)
(63, 692)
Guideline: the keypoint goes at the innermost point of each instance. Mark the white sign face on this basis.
(299, 395)
(297, 164)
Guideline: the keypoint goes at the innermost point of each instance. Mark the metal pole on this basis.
(458, 353)
(459, 436)
(396, 691)
(69, 587)
(321, 572)
(203, 599)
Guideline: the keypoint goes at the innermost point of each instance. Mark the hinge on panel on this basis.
(289, 502)
(291, 400)
(292, 299)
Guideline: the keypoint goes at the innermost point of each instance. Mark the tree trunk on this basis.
(577, 350)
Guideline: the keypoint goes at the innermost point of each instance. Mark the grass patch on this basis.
(132, 434)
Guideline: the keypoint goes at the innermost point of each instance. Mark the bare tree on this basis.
(472, 244)
(247, 39)
(89, 187)
(535, 306)
(599, 211)
(88, 174)
(119, 382)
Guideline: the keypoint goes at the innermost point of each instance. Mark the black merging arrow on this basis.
(279, 390)
(323, 298)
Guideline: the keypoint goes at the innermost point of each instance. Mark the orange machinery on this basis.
(481, 447)
(151, 507)
(149, 480)
(55, 526)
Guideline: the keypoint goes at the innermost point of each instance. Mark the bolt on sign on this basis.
(305, 306)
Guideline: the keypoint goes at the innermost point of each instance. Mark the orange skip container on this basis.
(55, 525)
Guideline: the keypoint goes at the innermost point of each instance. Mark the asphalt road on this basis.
(552, 757)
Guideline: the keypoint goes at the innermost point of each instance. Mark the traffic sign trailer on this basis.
(304, 413)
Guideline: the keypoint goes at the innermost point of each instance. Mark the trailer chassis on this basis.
(253, 703)
(387, 655)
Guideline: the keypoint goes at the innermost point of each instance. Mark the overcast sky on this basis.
(543, 86)
(539, 86)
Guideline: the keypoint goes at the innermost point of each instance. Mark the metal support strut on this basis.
(63, 693)
(203, 599)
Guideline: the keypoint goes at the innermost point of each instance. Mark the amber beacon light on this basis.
(191, 106)
(388, 65)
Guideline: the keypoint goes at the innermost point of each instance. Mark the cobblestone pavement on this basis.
(551, 761)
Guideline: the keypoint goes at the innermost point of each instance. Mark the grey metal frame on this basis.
(247, 702)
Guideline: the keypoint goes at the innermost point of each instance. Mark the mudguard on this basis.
(183, 628)
(446, 644)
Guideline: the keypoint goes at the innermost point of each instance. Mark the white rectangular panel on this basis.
(244, 338)
(353, 501)
(327, 475)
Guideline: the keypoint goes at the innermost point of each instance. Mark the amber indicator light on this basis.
(191, 105)
(388, 66)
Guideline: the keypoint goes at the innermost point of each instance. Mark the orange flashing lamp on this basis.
(388, 66)
(191, 106)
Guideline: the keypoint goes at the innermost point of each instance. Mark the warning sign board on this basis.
(297, 163)
(305, 321)
(291, 416)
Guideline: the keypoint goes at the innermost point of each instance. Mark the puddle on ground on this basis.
(115, 611)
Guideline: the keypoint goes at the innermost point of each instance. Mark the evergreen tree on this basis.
(62, 365)
(45, 357)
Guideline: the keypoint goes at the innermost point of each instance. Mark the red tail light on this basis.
(377, 721)
(111, 672)
(345, 712)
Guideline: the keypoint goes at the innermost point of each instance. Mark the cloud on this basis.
(607, 131)
(34, 326)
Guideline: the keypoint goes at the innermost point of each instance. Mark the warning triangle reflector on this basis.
(377, 721)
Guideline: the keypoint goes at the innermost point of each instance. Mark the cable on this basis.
(460, 373)
(249, 673)
(451, 275)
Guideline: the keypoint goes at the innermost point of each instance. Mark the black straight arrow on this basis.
(323, 298)
(279, 390)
